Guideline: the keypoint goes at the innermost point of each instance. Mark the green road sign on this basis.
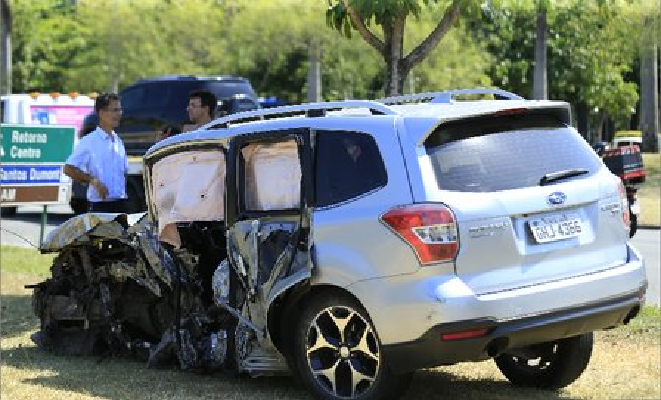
(32, 158)
(31, 161)
(33, 144)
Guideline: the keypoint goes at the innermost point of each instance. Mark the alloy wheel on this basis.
(342, 352)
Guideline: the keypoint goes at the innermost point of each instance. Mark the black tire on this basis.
(558, 364)
(633, 227)
(356, 349)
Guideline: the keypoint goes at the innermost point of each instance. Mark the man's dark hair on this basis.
(103, 100)
(206, 98)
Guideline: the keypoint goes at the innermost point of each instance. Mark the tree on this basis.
(5, 47)
(113, 43)
(350, 69)
(391, 16)
(275, 57)
(45, 36)
(589, 53)
(132, 39)
(90, 45)
(650, 86)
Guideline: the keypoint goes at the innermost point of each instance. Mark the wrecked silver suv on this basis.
(354, 242)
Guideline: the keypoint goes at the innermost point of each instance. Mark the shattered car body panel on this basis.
(81, 227)
(182, 284)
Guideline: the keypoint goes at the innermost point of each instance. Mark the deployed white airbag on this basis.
(188, 187)
(273, 176)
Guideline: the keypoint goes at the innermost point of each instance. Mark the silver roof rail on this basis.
(308, 109)
(447, 96)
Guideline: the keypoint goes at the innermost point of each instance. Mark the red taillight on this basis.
(429, 228)
(625, 204)
(464, 334)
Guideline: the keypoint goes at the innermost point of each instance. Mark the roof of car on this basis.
(463, 109)
(432, 113)
(176, 77)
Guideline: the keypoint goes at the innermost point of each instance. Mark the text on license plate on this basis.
(554, 227)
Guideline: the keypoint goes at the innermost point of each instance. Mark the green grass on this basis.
(649, 195)
(646, 326)
(625, 363)
(25, 261)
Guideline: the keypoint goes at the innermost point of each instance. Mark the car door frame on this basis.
(236, 213)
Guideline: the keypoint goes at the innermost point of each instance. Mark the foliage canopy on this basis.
(89, 45)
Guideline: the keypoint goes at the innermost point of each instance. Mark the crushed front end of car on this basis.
(181, 284)
(115, 289)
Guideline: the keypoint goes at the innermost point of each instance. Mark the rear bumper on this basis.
(430, 350)
(411, 311)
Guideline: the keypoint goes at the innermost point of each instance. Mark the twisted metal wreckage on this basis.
(204, 295)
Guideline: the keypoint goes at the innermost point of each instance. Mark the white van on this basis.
(628, 138)
(51, 109)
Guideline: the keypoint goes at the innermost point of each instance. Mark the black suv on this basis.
(151, 103)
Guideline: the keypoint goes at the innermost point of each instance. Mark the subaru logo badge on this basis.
(556, 198)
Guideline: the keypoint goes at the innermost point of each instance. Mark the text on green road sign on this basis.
(30, 144)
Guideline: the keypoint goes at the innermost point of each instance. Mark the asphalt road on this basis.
(27, 224)
(648, 243)
(23, 229)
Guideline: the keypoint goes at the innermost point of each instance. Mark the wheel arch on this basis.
(283, 314)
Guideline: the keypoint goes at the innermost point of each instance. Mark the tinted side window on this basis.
(347, 164)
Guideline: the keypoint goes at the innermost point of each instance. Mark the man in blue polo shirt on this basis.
(100, 159)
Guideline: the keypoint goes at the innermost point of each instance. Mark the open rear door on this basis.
(268, 201)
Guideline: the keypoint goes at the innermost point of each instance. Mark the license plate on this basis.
(550, 228)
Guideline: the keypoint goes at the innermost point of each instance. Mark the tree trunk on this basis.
(395, 77)
(582, 122)
(314, 73)
(395, 74)
(392, 87)
(539, 85)
(609, 129)
(392, 47)
(601, 118)
(5, 48)
(403, 77)
(649, 97)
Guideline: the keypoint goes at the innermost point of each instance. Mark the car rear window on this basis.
(496, 153)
